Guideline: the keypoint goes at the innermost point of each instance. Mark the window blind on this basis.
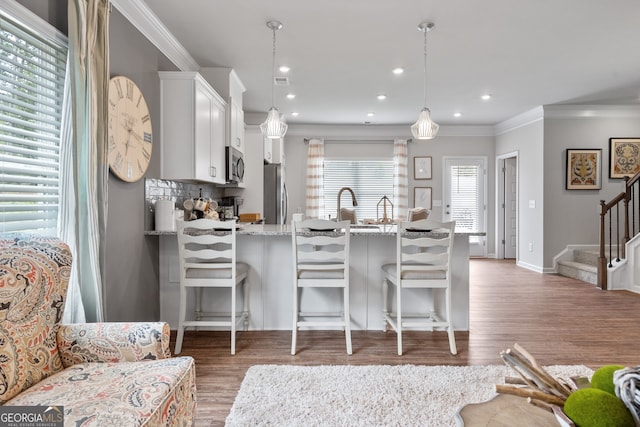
(369, 179)
(32, 72)
(466, 206)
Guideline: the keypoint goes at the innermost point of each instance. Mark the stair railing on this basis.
(616, 232)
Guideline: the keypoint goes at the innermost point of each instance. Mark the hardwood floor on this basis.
(558, 319)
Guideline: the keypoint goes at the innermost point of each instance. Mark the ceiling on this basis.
(342, 52)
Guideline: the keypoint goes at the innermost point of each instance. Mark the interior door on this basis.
(465, 183)
(510, 207)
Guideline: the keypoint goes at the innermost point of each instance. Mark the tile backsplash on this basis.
(176, 191)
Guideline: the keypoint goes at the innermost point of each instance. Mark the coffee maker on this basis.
(229, 207)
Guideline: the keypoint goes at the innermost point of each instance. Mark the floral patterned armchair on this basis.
(119, 374)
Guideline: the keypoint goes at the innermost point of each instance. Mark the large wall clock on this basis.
(130, 133)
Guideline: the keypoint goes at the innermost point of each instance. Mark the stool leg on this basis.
(399, 316)
(245, 313)
(452, 339)
(347, 320)
(294, 329)
(181, 318)
(385, 309)
(233, 318)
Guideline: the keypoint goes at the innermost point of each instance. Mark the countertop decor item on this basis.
(385, 218)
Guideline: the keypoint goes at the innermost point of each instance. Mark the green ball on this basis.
(603, 378)
(592, 407)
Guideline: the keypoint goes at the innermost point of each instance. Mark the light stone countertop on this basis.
(285, 230)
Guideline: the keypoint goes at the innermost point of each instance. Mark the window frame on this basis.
(364, 210)
(30, 200)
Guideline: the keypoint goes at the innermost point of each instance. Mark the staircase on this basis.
(580, 264)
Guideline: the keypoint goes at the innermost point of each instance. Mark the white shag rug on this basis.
(405, 395)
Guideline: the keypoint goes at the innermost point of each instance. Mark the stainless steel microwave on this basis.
(235, 165)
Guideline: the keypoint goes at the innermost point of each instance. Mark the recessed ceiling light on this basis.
(486, 97)
(295, 113)
(284, 69)
(371, 114)
(291, 95)
(382, 97)
(457, 114)
(398, 70)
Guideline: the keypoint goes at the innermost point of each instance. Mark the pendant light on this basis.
(424, 127)
(274, 126)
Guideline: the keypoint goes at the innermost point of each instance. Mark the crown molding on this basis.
(591, 111)
(523, 119)
(141, 17)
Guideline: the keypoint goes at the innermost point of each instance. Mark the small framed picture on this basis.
(422, 197)
(583, 169)
(422, 167)
(624, 157)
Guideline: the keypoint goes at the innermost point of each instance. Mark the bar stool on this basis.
(207, 252)
(320, 260)
(422, 262)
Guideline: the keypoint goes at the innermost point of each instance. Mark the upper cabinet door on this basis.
(193, 129)
(227, 83)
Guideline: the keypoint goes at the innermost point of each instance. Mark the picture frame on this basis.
(584, 169)
(422, 197)
(422, 167)
(624, 157)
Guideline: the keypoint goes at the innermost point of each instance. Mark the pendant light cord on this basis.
(273, 69)
(425, 69)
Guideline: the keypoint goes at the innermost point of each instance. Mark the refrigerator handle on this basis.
(285, 204)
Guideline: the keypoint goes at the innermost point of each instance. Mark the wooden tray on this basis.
(505, 410)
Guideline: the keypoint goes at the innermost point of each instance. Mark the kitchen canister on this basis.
(165, 215)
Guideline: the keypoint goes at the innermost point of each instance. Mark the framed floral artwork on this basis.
(624, 157)
(422, 167)
(583, 169)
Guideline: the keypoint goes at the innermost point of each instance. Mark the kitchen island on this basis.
(267, 251)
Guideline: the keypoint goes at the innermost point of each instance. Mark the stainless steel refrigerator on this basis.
(275, 195)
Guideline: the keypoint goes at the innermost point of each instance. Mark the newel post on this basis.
(602, 260)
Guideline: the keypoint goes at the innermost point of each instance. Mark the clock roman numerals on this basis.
(118, 86)
(146, 153)
(130, 90)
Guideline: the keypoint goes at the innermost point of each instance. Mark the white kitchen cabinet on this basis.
(193, 128)
(227, 83)
(273, 150)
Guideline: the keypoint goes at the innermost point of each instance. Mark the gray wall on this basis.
(131, 291)
(527, 142)
(572, 216)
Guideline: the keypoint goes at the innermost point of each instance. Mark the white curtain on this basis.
(83, 213)
(400, 178)
(315, 178)
(74, 309)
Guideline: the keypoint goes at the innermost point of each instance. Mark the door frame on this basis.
(500, 217)
(485, 195)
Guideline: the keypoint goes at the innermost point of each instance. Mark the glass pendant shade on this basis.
(424, 127)
(274, 126)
